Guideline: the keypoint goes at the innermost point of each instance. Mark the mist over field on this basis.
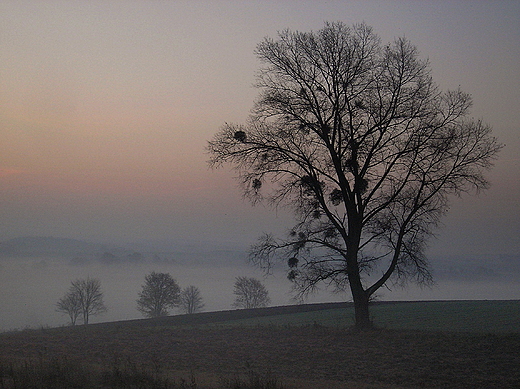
(36, 272)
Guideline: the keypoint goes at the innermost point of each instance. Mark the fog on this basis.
(106, 110)
(30, 287)
(32, 279)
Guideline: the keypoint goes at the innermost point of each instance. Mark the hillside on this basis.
(212, 350)
(252, 316)
(450, 316)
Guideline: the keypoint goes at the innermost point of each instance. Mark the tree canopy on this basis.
(159, 293)
(190, 300)
(359, 140)
(250, 293)
(83, 298)
(71, 305)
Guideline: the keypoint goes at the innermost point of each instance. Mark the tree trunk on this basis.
(362, 313)
(359, 295)
(361, 300)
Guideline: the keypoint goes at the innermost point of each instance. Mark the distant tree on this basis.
(250, 293)
(160, 292)
(356, 138)
(84, 298)
(90, 297)
(71, 305)
(190, 300)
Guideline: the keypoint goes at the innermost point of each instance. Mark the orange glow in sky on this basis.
(106, 108)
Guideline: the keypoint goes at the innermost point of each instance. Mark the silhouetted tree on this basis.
(190, 300)
(250, 293)
(160, 292)
(84, 298)
(356, 137)
(71, 305)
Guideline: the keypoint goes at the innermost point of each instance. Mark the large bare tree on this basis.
(359, 140)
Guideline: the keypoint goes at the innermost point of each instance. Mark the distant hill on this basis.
(78, 252)
(43, 246)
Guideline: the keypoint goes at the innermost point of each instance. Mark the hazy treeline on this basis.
(77, 252)
(158, 295)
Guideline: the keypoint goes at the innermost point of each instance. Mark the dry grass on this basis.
(300, 357)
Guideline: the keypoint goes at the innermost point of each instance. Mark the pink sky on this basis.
(106, 108)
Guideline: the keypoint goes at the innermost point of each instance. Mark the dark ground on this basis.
(301, 357)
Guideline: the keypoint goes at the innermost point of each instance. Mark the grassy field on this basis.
(461, 344)
(453, 316)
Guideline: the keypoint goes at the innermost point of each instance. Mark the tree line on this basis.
(159, 294)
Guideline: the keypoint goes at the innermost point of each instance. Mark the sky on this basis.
(106, 108)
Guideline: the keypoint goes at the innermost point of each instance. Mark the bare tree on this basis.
(190, 300)
(250, 293)
(84, 298)
(160, 292)
(71, 305)
(357, 138)
(90, 296)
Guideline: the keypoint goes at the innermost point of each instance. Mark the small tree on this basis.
(160, 292)
(190, 300)
(84, 298)
(250, 293)
(71, 305)
(90, 296)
